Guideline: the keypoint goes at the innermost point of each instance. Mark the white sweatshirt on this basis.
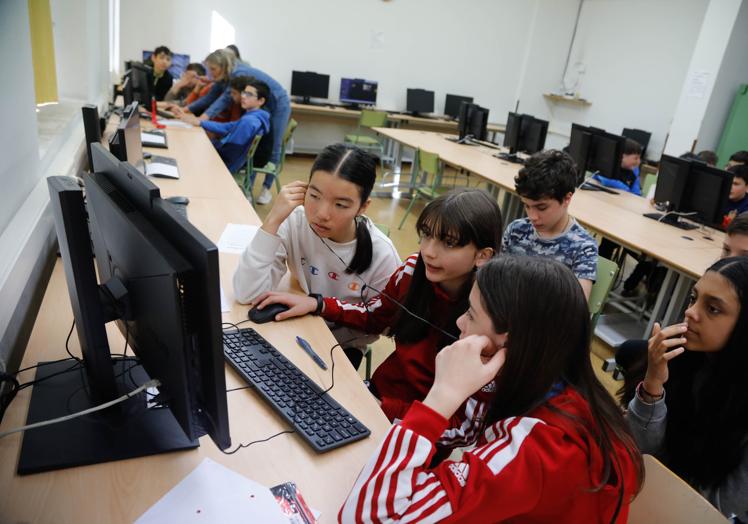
(297, 248)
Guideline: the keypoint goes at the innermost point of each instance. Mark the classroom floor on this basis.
(389, 212)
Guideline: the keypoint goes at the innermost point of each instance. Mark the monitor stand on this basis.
(510, 157)
(671, 220)
(128, 430)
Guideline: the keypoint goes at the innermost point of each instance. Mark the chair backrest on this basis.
(606, 275)
(253, 146)
(650, 179)
(371, 118)
(287, 134)
(428, 162)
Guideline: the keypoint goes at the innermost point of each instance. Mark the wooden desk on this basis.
(686, 254)
(122, 491)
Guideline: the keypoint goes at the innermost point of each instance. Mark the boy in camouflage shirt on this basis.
(545, 185)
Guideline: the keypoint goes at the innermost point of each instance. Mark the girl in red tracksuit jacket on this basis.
(555, 447)
(458, 231)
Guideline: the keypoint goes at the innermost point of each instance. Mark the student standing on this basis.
(545, 185)
(555, 447)
(160, 78)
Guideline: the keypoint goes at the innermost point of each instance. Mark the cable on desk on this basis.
(150, 383)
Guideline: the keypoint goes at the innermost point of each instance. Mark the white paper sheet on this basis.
(212, 493)
(152, 138)
(160, 169)
(174, 123)
(225, 305)
(236, 237)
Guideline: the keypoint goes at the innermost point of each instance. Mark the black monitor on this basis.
(92, 127)
(127, 93)
(579, 149)
(606, 150)
(672, 179)
(308, 85)
(525, 133)
(419, 101)
(707, 193)
(160, 284)
(478, 122)
(355, 91)
(452, 104)
(126, 143)
(140, 83)
(640, 136)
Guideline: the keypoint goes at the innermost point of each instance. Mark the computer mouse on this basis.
(179, 200)
(266, 314)
(147, 155)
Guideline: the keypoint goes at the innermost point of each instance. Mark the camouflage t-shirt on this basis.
(575, 248)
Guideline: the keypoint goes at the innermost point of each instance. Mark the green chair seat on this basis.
(362, 140)
(606, 275)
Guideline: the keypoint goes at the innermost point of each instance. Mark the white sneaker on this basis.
(265, 196)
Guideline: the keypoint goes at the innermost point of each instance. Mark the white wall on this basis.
(733, 72)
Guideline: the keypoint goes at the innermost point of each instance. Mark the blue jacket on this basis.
(740, 207)
(237, 136)
(218, 98)
(634, 188)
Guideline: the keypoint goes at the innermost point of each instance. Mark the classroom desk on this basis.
(122, 491)
(686, 254)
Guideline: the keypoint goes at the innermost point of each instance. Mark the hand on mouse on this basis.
(299, 305)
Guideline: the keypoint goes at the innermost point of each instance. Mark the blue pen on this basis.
(309, 351)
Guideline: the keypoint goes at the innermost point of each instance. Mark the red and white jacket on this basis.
(542, 467)
(408, 373)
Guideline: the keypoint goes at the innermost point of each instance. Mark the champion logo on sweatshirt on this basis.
(333, 275)
(460, 471)
(313, 270)
(354, 286)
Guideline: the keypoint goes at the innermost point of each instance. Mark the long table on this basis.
(122, 491)
(685, 254)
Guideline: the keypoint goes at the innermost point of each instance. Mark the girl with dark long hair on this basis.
(691, 408)
(554, 446)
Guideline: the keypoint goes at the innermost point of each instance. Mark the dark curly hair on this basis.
(548, 174)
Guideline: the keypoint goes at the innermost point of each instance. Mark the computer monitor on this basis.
(178, 66)
(127, 93)
(452, 104)
(419, 101)
(92, 128)
(478, 122)
(579, 149)
(524, 133)
(159, 282)
(672, 179)
(308, 85)
(707, 193)
(606, 151)
(142, 90)
(356, 91)
(126, 143)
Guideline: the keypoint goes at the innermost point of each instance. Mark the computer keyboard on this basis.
(671, 220)
(318, 418)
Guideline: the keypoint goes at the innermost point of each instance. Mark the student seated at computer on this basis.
(737, 202)
(189, 87)
(234, 138)
(160, 78)
(739, 157)
(545, 185)
(688, 402)
(554, 446)
(224, 65)
(630, 161)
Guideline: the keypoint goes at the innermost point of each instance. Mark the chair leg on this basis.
(367, 356)
(407, 211)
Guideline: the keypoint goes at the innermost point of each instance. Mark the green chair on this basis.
(369, 118)
(606, 275)
(367, 354)
(242, 176)
(425, 165)
(273, 169)
(650, 179)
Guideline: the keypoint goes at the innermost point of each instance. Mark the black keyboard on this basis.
(318, 418)
(671, 220)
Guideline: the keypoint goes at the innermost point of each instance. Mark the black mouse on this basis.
(146, 155)
(266, 314)
(179, 200)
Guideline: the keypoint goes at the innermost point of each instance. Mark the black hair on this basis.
(632, 147)
(540, 304)
(740, 156)
(263, 90)
(710, 157)
(460, 217)
(691, 156)
(235, 50)
(162, 49)
(739, 171)
(738, 226)
(359, 167)
(548, 174)
(197, 67)
(707, 399)
(240, 82)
